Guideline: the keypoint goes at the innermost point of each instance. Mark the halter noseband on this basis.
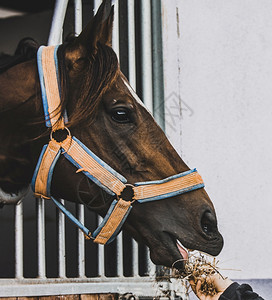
(91, 165)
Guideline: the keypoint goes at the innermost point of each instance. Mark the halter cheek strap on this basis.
(91, 165)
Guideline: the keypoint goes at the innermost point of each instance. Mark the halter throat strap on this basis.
(91, 165)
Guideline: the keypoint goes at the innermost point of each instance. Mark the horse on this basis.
(106, 114)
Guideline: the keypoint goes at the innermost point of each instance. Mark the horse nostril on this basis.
(208, 223)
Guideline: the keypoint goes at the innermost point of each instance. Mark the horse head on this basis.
(105, 114)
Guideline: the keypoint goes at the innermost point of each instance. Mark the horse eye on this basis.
(121, 115)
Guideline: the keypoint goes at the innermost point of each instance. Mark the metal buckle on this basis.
(60, 132)
(127, 193)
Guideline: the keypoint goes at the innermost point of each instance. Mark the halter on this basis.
(91, 165)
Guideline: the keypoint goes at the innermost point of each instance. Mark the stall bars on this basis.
(151, 77)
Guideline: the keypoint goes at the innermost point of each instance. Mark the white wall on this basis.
(218, 62)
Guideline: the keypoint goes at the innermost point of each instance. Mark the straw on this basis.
(199, 267)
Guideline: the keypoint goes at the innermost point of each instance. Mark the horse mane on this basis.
(26, 50)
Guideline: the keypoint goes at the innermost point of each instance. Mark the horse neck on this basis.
(17, 85)
(19, 106)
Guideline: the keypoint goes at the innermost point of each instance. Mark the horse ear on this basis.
(99, 29)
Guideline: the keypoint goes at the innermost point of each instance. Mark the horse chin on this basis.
(165, 249)
(12, 198)
(170, 253)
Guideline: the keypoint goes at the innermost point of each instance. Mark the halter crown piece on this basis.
(91, 165)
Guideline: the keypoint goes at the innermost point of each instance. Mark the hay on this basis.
(198, 267)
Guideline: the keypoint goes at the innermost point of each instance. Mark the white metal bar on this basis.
(41, 238)
(19, 271)
(146, 49)
(135, 258)
(131, 44)
(157, 63)
(146, 54)
(80, 207)
(151, 267)
(78, 16)
(96, 5)
(61, 243)
(81, 242)
(115, 31)
(101, 255)
(119, 258)
(33, 287)
(132, 81)
(55, 35)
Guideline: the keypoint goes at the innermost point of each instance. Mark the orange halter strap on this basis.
(91, 165)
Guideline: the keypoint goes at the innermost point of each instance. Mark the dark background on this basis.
(36, 23)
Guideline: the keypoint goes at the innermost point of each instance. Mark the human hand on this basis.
(220, 283)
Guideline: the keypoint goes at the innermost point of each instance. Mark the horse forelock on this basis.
(99, 73)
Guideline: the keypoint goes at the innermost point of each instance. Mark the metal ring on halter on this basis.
(64, 128)
(127, 193)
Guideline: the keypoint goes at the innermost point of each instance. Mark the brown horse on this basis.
(107, 116)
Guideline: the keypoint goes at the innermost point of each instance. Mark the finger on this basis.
(198, 287)
(201, 295)
(220, 282)
(193, 285)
